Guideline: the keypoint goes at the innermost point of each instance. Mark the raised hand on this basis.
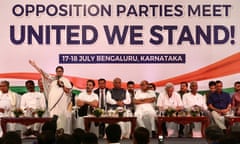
(31, 62)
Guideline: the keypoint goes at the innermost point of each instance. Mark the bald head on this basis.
(144, 85)
(194, 87)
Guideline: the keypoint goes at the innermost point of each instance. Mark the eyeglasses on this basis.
(59, 71)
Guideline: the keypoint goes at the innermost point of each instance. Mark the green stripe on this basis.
(21, 90)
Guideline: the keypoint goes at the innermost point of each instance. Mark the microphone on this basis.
(59, 83)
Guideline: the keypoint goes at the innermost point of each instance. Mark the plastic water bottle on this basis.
(160, 139)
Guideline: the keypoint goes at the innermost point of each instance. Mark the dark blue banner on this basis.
(121, 58)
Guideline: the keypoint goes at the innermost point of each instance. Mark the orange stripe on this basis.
(77, 81)
(227, 66)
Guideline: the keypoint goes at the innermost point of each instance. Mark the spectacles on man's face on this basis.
(59, 71)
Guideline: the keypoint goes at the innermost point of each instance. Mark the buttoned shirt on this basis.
(5, 101)
(33, 100)
(219, 100)
(165, 101)
(190, 100)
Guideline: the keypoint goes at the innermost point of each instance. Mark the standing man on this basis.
(58, 89)
(102, 91)
(144, 100)
(30, 102)
(219, 103)
(170, 99)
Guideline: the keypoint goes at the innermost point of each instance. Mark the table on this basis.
(110, 120)
(183, 120)
(21, 120)
(230, 120)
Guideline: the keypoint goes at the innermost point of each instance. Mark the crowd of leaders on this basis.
(56, 97)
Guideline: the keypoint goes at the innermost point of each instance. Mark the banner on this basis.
(158, 41)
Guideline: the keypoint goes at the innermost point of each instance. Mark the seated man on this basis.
(219, 103)
(194, 100)
(170, 99)
(236, 99)
(102, 91)
(31, 101)
(144, 100)
(8, 101)
(86, 100)
(119, 98)
(8, 98)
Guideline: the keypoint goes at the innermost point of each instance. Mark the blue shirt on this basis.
(219, 100)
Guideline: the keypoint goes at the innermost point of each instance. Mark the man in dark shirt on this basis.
(102, 92)
(183, 90)
(131, 93)
(219, 103)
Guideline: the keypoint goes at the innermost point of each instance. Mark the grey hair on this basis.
(169, 85)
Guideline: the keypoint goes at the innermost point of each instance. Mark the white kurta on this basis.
(34, 100)
(112, 101)
(79, 122)
(165, 101)
(12, 97)
(8, 101)
(5, 101)
(190, 100)
(145, 112)
(84, 96)
(125, 126)
(58, 100)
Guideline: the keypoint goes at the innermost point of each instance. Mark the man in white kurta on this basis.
(8, 101)
(170, 99)
(194, 99)
(86, 98)
(58, 89)
(31, 101)
(144, 108)
(117, 103)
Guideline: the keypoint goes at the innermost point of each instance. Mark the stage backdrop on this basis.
(159, 41)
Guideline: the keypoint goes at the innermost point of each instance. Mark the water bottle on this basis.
(160, 139)
(89, 112)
